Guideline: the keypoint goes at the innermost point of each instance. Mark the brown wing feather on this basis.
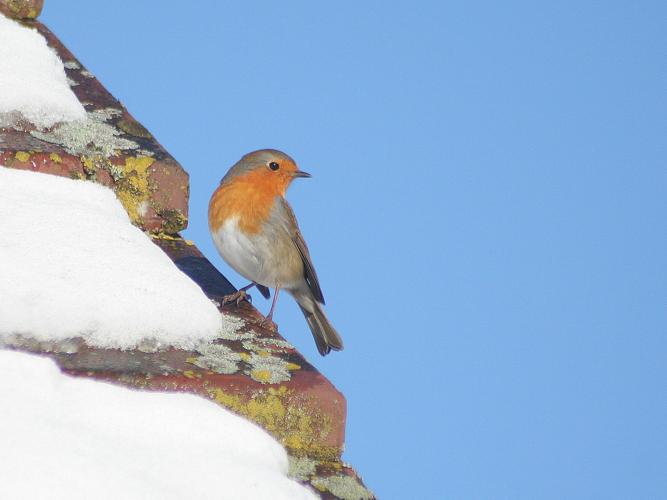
(308, 268)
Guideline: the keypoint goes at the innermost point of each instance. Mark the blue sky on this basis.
(486, 215)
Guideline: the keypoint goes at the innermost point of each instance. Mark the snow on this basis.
(33, 85)
(72, 265)
(69, 438)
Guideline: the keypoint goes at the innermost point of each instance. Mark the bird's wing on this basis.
(300, 244)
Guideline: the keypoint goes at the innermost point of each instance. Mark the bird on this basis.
(256, 232)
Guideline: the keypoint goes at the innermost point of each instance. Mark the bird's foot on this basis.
(237, 297)
(268, 323)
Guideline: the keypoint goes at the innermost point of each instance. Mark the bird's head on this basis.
(268, 167)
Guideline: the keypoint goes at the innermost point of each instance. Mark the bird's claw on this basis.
(268, 323)
(237, 297)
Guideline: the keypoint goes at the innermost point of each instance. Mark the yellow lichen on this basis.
(55, 157)
(297, 423)
(22, 156)
(161, 235)
(89, 165)
(263, 376)
(229, 400)
(136, 171)
(296, 440)
(133, 188)
(320, 487)
(269, 409)
(14, 6)
(164, 236)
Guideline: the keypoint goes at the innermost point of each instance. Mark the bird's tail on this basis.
(325, 335)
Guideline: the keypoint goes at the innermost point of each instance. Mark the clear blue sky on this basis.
(486, 214)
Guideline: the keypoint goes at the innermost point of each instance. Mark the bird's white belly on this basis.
(252, 257)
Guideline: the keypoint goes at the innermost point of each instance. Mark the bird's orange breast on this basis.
(249, 197)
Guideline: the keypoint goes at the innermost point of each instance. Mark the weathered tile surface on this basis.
(109, 147)
(21, 9)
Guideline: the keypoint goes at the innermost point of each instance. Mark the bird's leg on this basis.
(273, 304)
(239, 296)
(268, 321)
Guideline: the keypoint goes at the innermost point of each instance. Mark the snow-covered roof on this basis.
(73, 265)
(33, 85)
(71, 438)
(251, 371)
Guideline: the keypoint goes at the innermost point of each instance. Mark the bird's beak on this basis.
(300, 173)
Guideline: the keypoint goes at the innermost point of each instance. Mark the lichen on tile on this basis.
(173, 220)
(22, 156)
(133, 127)
(272, 343)
(301, 468)
(343, 487)
(268, 369)
(234, 334)
(89, 137)
(64, 346)
(133, 187)
(296, 420)
(116, 172)
(216, 357)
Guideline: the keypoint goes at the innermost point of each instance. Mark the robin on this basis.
(255, 230)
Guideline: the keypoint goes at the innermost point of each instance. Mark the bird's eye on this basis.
(274, 166)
